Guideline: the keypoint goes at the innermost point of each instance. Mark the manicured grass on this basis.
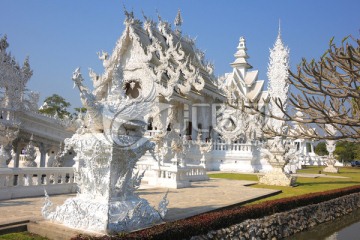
(304, 185)
(21, 236)
(234, 176)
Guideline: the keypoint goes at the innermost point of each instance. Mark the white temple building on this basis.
(19, 113)
(198, 122)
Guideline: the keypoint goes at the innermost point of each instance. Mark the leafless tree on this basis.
(329, 95)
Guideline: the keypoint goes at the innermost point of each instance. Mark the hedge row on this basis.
(223, 218)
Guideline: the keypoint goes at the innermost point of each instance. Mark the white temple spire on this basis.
(278, 72)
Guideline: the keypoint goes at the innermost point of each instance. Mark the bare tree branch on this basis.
(329, 94)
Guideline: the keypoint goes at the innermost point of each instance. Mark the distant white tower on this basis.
(278, 72)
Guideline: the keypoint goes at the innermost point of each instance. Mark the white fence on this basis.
(238, 147)
(31, 182)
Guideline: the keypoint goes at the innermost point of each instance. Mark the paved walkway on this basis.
(200, 197)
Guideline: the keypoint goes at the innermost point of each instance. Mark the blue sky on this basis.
(60, 35)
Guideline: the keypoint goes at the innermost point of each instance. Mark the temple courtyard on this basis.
(203, 196)
(199, 198)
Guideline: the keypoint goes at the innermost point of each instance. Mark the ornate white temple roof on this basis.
(170, 59)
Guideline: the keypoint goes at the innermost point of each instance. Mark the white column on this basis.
(42, 155)
(17, 156)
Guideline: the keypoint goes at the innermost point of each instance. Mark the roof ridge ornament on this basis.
(4, 43)
(178, 19)
(144, 16)
(129, 15)
(178, 22)
(158, 15)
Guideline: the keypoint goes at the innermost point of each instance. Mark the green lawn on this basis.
(21, 236)
(304, 185)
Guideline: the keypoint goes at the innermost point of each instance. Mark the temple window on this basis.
(132, 89)
(189, 128)
(308, 147)
(149, 126)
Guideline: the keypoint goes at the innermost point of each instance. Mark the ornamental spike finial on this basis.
(158, 15)
(178, 19)
(129, 15)
(144, 16)
(3, 43)
(279, 32)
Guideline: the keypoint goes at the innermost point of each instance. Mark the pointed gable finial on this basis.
(178, 19)
(129, 15)
(158, 15)
(144, 16)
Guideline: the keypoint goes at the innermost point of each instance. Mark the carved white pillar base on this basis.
(102, 216)
(277, 177)
(331, 169)
(106, 201)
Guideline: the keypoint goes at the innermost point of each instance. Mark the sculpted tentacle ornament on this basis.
(89, 102)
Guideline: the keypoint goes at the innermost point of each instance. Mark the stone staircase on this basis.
(18, 226)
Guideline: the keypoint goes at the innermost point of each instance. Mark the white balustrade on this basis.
(237, 147)
(196, 173)
(177, 177)
(30, 182)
